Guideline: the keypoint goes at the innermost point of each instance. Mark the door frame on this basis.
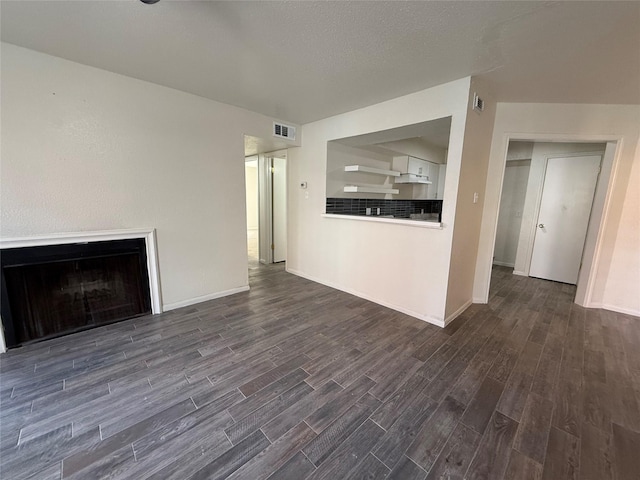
(265, 203)
(600, 209)
(285, 193)
(265, 254)
(538, 202)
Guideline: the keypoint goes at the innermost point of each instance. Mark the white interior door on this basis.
(567, 197)
(279, 209)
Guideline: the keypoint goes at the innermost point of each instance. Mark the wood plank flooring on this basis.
(294, 380)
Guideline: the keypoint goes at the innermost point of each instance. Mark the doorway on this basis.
(253, 209)
(520, 243)
(563, 217)
(266, 200)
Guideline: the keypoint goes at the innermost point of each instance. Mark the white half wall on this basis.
(393, 264)
(88, 150)
(616, 265)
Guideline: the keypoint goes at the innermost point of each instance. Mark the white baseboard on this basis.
(504, 264)
(615, 308)
(419, 316)
(479, 300)
(203, 298)
(522, 274)
(457, 313)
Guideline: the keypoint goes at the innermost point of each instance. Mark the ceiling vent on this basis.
(478, 103)
(284, 131)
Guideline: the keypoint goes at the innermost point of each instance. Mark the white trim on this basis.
(518, 272)
(204, 298)
(411, 223)
(101, 236)
(425, 318)
(457, 313)
(504, 264)
(73, 237)
(98, 236)
(614, 308)
(604, 217)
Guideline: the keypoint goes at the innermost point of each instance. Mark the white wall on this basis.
(339, 155)
(514, 189)
(84, 149)
(468, 213)
(541, 151)
(616, 267)
(519, 150)
(418, 148)
(251, 186)
(380, 261)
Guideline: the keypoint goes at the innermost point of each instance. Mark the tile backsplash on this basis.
(397, 208)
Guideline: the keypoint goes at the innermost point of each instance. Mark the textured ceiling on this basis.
(303, 61)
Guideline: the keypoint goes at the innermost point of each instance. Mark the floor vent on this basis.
(284, 131)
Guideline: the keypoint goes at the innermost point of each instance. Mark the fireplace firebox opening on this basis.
(53, 290)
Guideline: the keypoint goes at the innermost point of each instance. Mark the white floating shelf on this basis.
(361, 189)
(364, 168)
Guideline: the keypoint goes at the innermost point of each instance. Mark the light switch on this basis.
(475, 197)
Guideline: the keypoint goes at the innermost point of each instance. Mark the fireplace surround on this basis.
(68, 282)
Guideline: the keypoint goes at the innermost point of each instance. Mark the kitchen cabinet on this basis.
(411, 165)
(418, 171)
(436, 174)
(432, 189)
(440, 187)
(412, 170)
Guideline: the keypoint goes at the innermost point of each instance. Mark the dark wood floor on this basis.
(294, 380)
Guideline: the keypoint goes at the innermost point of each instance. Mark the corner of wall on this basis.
(470, 198)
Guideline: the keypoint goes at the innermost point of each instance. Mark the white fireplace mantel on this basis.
(100, 236)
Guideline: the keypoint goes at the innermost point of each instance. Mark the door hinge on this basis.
(273, 246)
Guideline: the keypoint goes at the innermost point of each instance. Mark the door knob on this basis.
(541, 225)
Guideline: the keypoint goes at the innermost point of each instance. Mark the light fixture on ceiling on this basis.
(149, 2)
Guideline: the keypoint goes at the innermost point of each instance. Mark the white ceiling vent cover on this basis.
(284, 131)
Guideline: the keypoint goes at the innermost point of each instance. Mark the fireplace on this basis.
(52, 290)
